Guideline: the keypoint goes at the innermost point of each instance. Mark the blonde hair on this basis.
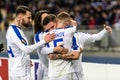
(63, 16)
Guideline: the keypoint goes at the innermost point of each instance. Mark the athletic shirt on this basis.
(61, 67)
(84, 38)
(18, 51)
(42, 51)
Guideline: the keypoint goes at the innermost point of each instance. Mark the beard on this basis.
(26, 24)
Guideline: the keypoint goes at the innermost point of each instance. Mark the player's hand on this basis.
(64, 51)
(108, 28)
(52, 56)
(49, 37)
(74, 23)
(59, 48)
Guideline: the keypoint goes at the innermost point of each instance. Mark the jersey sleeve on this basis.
(42, 49)
(46, 50)
(25, 48)
(99, 35)
(86, 37)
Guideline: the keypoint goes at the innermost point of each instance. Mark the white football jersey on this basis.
(18, 51)
(61, 67)
(82, 39)
(19, 62)
(42, 51)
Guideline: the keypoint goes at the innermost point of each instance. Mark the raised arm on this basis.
(101, 34)
(87, 37)
(57, 49)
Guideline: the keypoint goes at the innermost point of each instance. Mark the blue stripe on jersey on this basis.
(37, 39)
(10, 52)
(74, 44)
(57, 40)
(69, 26)
(19, 35)
(47, 44)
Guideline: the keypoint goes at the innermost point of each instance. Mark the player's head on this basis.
(64, 19)
(39, 16)
(49, 22)
(23, 15)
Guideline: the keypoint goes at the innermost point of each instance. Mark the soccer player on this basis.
(40, 28)
(82, 39)
(62, 69)
(18, 47)
(87, 38)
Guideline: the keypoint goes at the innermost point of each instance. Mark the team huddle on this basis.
(57, 44)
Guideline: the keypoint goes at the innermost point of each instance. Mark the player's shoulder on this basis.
(13, 28)
(10, 29)
(38, 34)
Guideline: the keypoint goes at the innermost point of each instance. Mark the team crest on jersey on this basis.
(24, 41)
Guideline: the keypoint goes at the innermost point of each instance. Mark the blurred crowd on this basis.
(89, 14)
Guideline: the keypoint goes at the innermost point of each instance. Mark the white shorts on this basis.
(42, 72)
(20, 78)
(70, 76)
(80, 76)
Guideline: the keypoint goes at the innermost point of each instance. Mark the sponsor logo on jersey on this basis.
(24, 41)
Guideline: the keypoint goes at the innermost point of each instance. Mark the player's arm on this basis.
(30, 48)
(101, 34)
(76, 50)
(74, 55)
(57, 49)
(86, 37)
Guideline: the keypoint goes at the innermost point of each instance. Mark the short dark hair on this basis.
(49, 18)
(37, 20)
(22, 9)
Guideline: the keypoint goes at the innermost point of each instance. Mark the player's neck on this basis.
(17, 23)
(60, 26)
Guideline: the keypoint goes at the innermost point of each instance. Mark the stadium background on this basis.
(101, 60)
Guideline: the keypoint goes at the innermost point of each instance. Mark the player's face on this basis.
(50, 26)
(26, 20)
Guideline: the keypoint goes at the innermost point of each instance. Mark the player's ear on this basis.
(20, 16)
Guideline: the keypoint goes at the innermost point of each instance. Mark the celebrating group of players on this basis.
(57, 43)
